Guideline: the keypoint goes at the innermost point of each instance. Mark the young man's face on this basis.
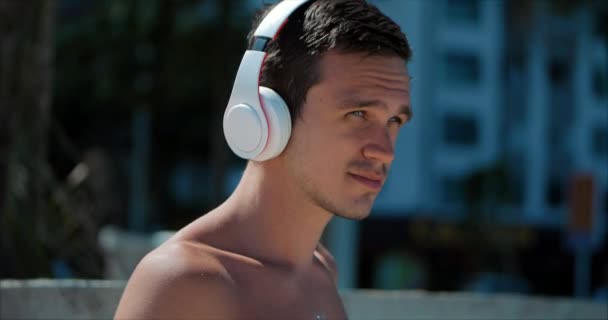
(342, 145)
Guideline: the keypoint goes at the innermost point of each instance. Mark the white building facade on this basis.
(485, 95)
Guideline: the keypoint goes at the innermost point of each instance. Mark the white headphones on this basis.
(257, 124)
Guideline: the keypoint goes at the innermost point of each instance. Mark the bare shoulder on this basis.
(179, 280)
(327, 260)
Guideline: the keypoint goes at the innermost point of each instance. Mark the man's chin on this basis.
(355, 213)
(354, 209)
(354, 216)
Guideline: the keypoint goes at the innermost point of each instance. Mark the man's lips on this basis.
(371, 182)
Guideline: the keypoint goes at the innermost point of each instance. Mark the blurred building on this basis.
(486, 94)
(513, 89)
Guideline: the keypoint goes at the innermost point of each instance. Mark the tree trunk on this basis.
(26, 29)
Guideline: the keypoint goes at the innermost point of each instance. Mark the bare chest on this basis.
(271, 298)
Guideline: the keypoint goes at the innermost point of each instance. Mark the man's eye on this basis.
(396, 120)
(358, 113)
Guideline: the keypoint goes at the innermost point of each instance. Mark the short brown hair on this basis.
(292, 61)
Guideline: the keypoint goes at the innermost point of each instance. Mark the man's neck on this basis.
(274, 221)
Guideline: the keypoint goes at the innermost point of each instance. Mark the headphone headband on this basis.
(274, 20)
(272, 23)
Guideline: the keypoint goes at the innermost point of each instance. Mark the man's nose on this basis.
(380, 148)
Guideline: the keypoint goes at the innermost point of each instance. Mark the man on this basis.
(340, 65)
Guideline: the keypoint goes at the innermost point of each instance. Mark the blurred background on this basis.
(111, 139)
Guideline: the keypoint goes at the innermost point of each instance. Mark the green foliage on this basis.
(176, 59)
(110, 57)
(167, 56)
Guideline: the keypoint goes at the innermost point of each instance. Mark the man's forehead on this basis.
(337, 55)
(359, 66)
(371, 83)
(363, 89)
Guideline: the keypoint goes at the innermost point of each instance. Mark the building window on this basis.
(461, 68)
(559, 73)
(600, 25)
(453, 190)
(460, 11)
(460, 130)
(599, 82)
(600, 142)
(554, 194)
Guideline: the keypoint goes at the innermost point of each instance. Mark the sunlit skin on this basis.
(258, 255)
(347, 131)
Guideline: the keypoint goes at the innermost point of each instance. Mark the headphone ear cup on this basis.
(279, 124)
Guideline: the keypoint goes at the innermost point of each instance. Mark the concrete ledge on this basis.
(97, 299)
(59, 299)
(370, 304)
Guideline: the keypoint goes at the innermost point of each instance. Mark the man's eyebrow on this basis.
(353, 102)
